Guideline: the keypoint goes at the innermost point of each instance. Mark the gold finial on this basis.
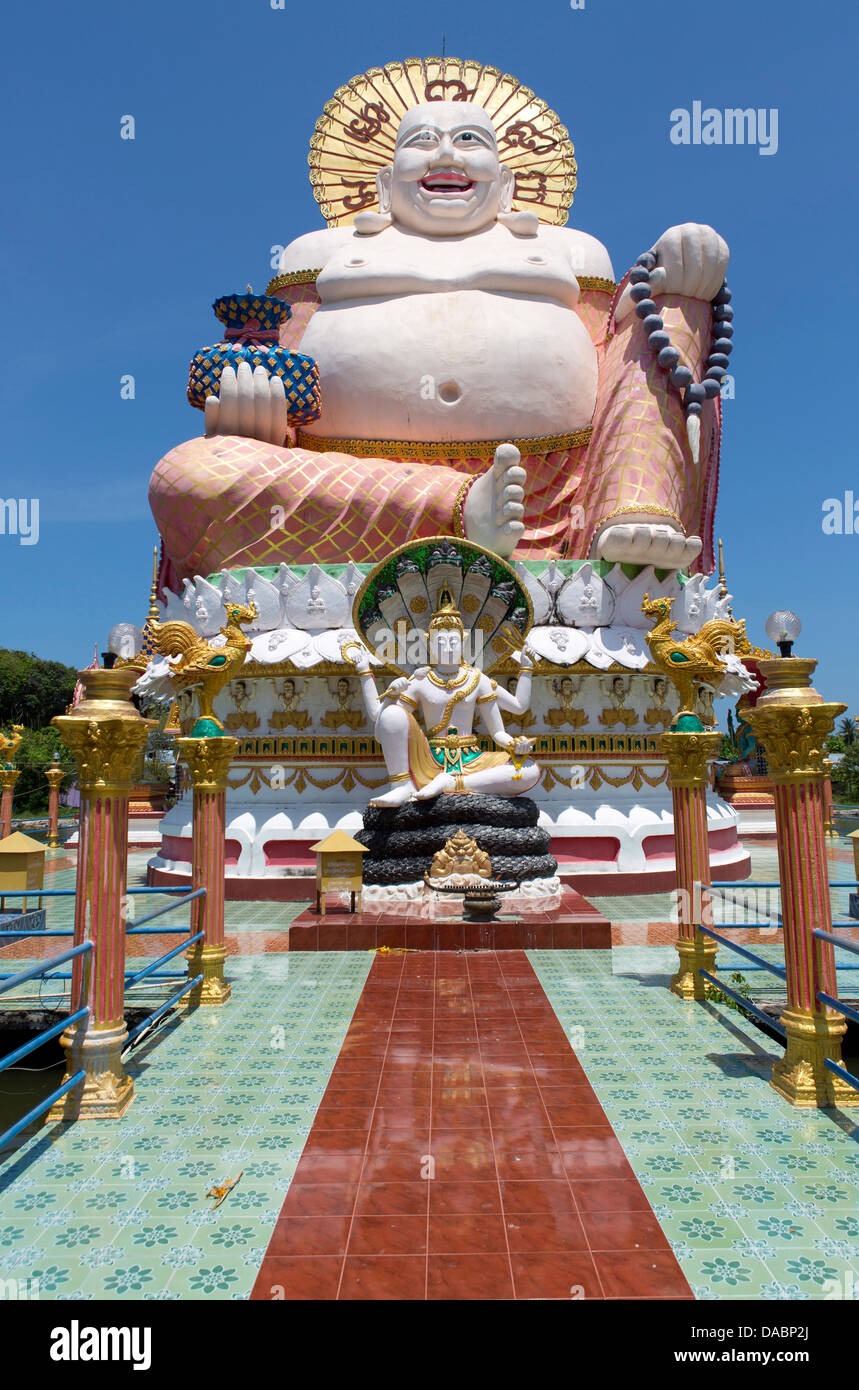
(154, 611)
(447, 615)
(723, 587)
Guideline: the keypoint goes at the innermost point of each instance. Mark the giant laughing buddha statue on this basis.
(481, 373)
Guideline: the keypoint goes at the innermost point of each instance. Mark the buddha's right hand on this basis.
(250, 403)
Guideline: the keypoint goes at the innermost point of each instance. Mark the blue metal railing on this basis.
(48, 967)
(151, 1019)
(741, 951)
(45, 1036)
(146, 1023)
(843, 1009)
(745, 1003)
(758, 963)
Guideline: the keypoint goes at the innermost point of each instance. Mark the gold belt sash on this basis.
(440, 449)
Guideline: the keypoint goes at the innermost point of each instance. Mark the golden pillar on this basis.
(105, 733)
(792, 722)
(208, 760)
(54, 776)
(8, 778)
(688, 756)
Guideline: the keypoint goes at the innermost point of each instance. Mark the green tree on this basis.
(845, 776)
(847, 730)
(33, 690)
(36, 753)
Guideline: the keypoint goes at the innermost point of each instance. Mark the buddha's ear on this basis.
(384, 185)
(506, 182)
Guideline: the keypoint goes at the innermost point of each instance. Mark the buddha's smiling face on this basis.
(446, 179)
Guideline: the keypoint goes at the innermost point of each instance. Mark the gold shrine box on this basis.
(22, 864)
(338, 867)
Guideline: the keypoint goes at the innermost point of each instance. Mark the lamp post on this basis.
(8, 778)
(792, 722)
(105, 734)
(208, 760)
(689, 749)
(688, 755)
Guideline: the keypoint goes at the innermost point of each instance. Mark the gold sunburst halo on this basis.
(355, 134)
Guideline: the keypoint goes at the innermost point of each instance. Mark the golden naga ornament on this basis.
(461, 856)
(355, 135)
(203, 666)
(9, 746)
(697, 660)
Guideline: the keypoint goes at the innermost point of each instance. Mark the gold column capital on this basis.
(8, 778)
(54, 775)
(105, 733)
(688, 756)
(105, 749)
(208, 760)
(794, 737)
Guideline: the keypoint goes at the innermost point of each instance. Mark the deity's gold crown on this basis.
(447, 615)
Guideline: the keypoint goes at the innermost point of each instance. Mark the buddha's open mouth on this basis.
(447, 183)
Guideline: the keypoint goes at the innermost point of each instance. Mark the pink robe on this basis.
(228, 501)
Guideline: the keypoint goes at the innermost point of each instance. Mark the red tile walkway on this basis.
(459, 1152)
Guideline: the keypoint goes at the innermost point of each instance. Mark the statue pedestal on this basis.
(430, 924)
(307, 762)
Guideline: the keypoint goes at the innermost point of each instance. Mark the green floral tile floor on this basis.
(759, 1200)
(119, 1209)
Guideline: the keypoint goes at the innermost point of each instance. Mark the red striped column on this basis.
(8, 778)
(54, 776)
(106, 735)
(791, 721)
(208, 760)
(688, 756)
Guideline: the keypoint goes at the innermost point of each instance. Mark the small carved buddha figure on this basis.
(240, 717)
(345, 715)
(185, 712)
(565, 712)
(316, 603)
(617, 713)
(289, 716)
(658, 713)
(515, 721)
(704, 707)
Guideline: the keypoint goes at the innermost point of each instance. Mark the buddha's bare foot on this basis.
(397, 795)
(442, 783)
(494, 506)
(642, 542)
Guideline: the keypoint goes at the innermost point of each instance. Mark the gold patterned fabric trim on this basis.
(596, 282)
(446, 449)
(648, 508)
(459, 510)
(294, 277)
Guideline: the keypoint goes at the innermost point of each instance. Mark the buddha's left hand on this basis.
(250, 403)
(690, 259)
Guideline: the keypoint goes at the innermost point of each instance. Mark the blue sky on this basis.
(113, 251)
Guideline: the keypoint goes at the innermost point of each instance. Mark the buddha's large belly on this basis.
(452, 366)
